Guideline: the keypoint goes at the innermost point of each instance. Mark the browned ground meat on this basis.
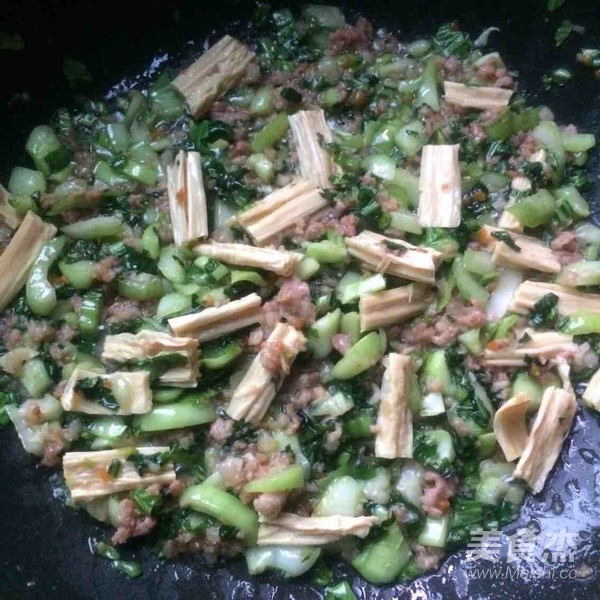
(526, 143)
(300, 389)
(566, 247)
(12, 338)
(221, 429)
(106, 270)
(209, 544)
(240, 148)
(176, 488)
(123, 310)
(292, 304)
(131, 523)
(330, 218)
(341, 342)
(52, 453)
(436, 495)
(5, 234)
(490, 73)
(445, 327)
(270, 356)
(270, 505)
(39, 332)
(237, 471)
(62, 353)
(351, 37)
(427, 558)
(222, 111)
(66, 333)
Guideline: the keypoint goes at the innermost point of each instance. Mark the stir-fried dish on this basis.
(319, 294)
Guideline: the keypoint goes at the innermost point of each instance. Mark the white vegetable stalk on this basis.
(215, 322)
(501, 298)
(280, 210)
(282, 262)
(393, 256)
(310, 132)
(392, 306)
(510, 426)
(394, 437)
(483, 98)
(150, 344)
(569, 301)
(254, 394)
(7, 213)
(213, 74)
(550, 429)
(440, 196)
(130, 390)
(547, 344)
(533, 253)
(187, 199)
(591, 396)
(292, 530)
(87, 477)
(509, 222)
(18, 256)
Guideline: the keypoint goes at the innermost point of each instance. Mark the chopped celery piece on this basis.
(140, 286)
(25, 182)
(320, 334)
(581, 323)
(524, 384)
(223, 356)
(409, 183)
(578, 142)
(222, 506)
(534, 210)
(173, 304)
(176, 416)
(411, 138)
(334, 405)
(350, 325)
(381, 561)
(42, 143)
(90, 313)
(432, 405)
(569, 195)
(170, 264)
(343, 496)
(262, 166)
(307, 268)
(468, 286)
(292, 561)
(494, 182)
(290, 478)
(478, 262)
(472, 341)
(96, 228)
(360, 357)
(549, 136)
(428, 88)
(353, 290)
(271, 133)
(580, 274)
(35, 377)
(403, 220)
(435, 532)
(381, 166)
(436, 374)
(327, 252)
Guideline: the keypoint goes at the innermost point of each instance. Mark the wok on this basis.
(44, 546)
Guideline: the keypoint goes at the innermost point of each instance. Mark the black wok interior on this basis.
(44, 546)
